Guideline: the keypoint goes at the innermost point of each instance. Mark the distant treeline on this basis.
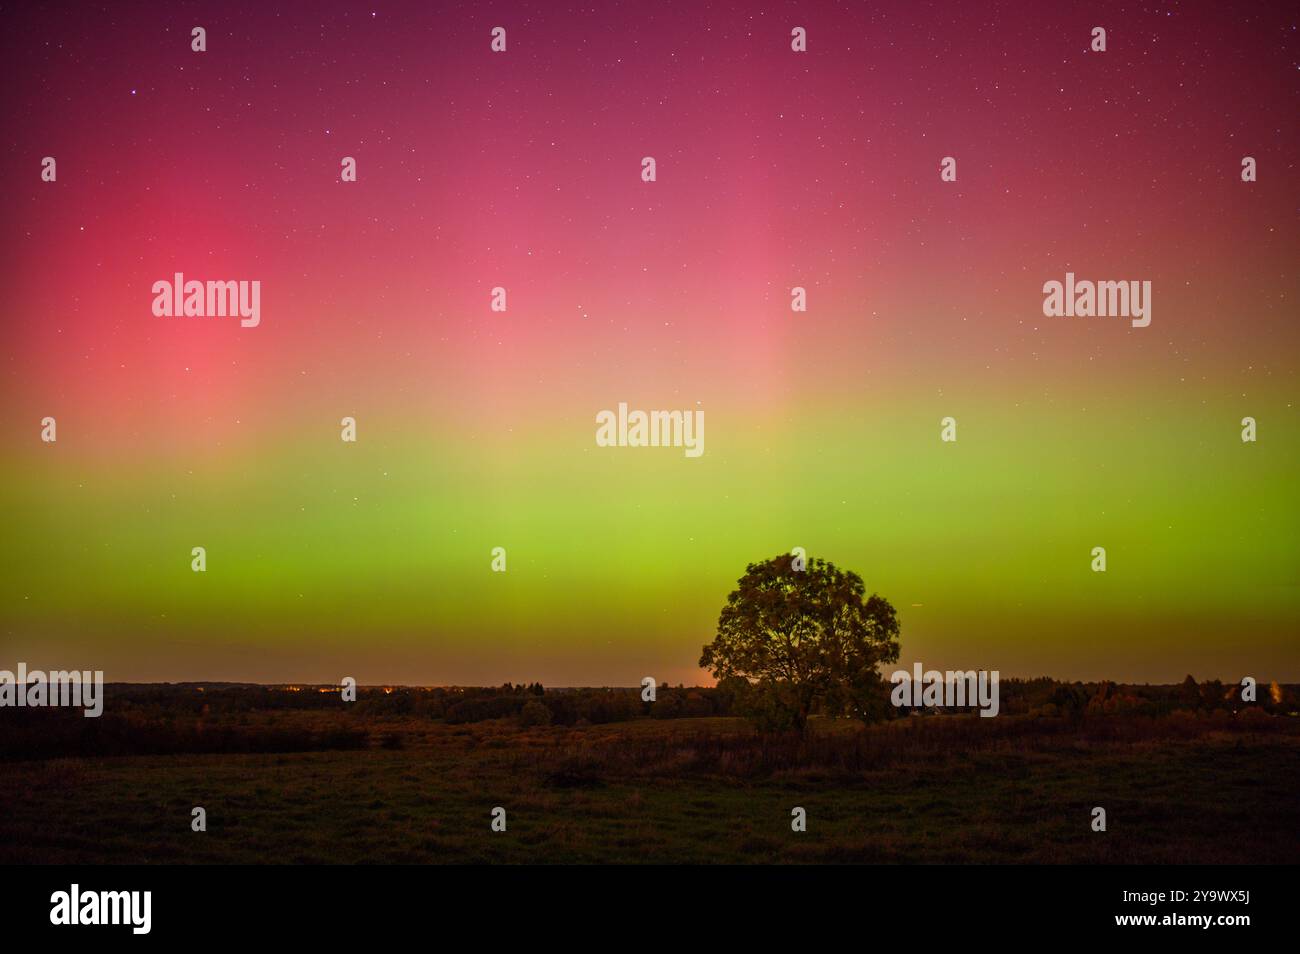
(62, 733)
(1042, 697)
(1035, 697)
(531, 703)
(168, 719)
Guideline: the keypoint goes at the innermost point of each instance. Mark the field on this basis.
(1207, 788)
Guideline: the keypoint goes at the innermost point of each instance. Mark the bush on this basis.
(534, 713)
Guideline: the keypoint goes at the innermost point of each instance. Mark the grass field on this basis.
(947, 789)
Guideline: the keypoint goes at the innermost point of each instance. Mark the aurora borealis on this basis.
(475, 429)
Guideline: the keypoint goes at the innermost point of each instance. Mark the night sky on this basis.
(522, 169)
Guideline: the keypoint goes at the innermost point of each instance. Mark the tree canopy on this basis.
(796, 639)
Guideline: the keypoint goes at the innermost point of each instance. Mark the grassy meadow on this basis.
(391, 788)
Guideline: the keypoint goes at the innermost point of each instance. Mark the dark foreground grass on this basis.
(948, 789)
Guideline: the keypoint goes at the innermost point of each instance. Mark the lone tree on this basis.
(794, 640)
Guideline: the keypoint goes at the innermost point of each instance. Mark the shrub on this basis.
(534, 713)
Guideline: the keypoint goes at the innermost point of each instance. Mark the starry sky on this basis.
(522, 169)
